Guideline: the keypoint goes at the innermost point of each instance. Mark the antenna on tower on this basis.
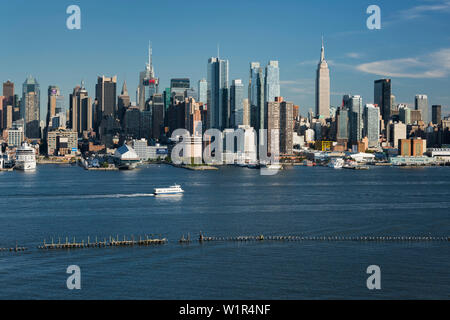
(218, 50)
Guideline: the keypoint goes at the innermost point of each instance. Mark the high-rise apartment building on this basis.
(30, 107)
(436, 116)
(81, 114)
(105, 93)
(8, 93)
(272, 81)
(421, 103)
(280, 126)
(372, 125)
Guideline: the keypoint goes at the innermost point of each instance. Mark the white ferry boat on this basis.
(336, 163)
(273, 166)
(25, 158)
(175, 189)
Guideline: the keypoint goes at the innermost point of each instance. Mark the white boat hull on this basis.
(25, 166)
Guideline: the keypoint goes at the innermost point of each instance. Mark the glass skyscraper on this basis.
(237, 103)
(203, 91)
(258, 119)
(272, 81)
(218, 94)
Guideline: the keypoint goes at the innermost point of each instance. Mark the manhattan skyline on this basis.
(114, 41)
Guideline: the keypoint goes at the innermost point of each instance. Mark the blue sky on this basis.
(413, 46)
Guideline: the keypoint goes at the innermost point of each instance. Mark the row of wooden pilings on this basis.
(112, 242)
(204, 238)
(148, 241)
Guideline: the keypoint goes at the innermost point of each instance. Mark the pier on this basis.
(111, 242)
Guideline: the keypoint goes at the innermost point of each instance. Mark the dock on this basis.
(111, 242)
(17, 248)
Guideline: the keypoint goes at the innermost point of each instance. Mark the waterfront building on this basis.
(258, 108)
(323, 87)
(218, 94)
(14, 136)
(436, 114)
(237, 103)
(421, 103)
(62, 142)
(372, 125)
(146, 152)
(382, 98)
(30, 107)
(203, 91)
(272, 82)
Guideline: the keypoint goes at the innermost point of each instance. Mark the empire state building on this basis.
(323, 87)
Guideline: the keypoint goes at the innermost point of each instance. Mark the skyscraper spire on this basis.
(322, 53)
(124, 89)
(218, 50)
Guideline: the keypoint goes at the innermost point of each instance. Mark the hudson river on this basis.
(67, 201)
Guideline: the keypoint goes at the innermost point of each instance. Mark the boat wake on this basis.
(133, 195)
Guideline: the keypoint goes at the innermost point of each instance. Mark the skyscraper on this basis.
(218, 94)
(123, 103)
(30, 107)
(148, 83)
(323, 87)
(272, 81)
(178, 88)
(258, 109)
(8, 93)
(237, 103)
(105, 93)
(280, 126)
(356, 110)
(342, 123)
(54, 106)
(203, 91)
(421, 103)
(81, 113)
(382, 98)
(436, 114)
(372, 124)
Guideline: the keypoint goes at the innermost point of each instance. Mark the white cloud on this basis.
(420, 11)
(434, 65)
